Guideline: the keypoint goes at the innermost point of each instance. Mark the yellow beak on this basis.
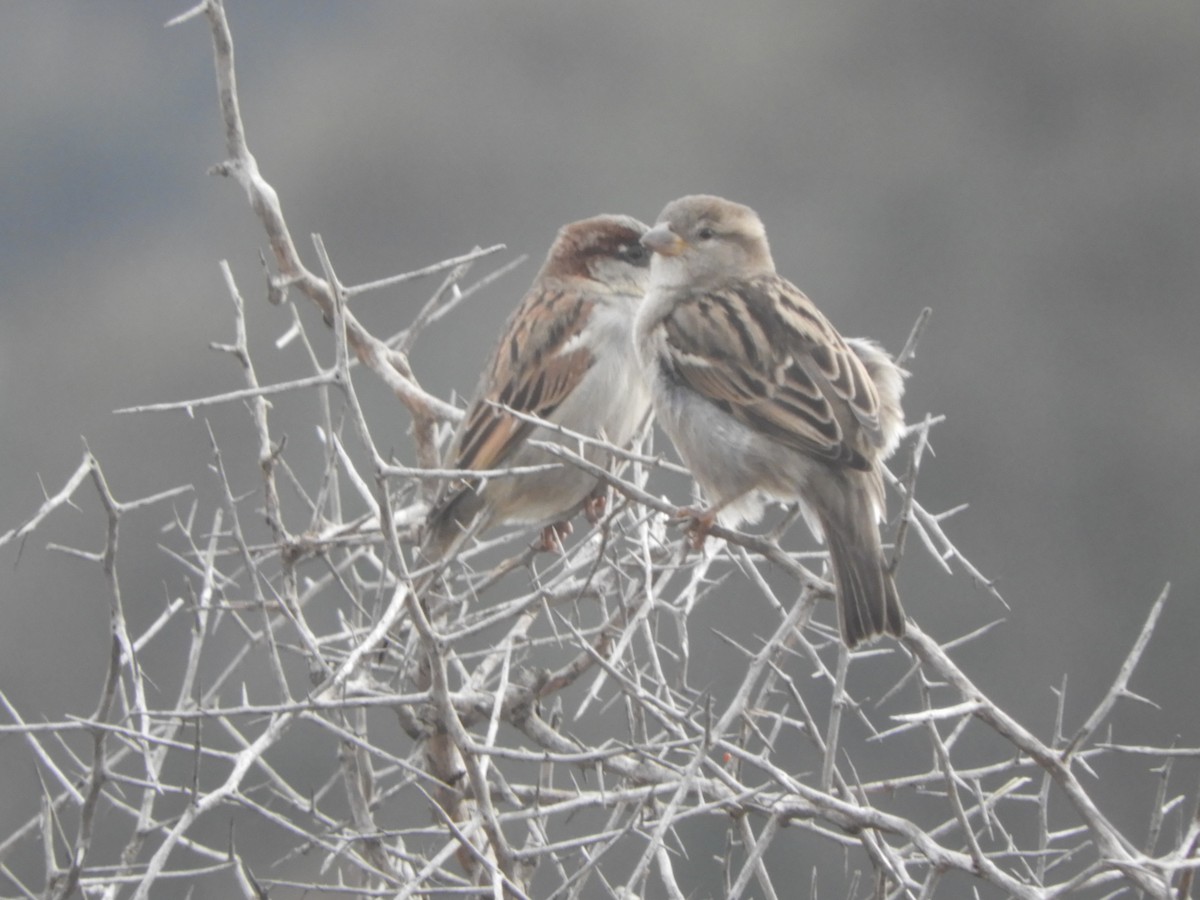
(662, 239)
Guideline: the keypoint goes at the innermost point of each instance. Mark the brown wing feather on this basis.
(760, 350)
(531, 370)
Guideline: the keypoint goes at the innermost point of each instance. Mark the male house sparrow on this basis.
(566, 355)
(764, 399)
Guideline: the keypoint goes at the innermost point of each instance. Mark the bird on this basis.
(764, 400)
(565, 355)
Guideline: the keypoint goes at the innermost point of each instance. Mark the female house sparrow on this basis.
(764, 399)
(566, 355)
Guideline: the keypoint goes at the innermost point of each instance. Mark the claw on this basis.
(595, 506)
(553, 536)
(702, 521)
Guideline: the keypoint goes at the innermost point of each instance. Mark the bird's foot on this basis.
(700, 523)
(552, 537)
(596, 505)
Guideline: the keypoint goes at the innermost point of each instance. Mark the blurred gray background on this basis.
(1030, 171)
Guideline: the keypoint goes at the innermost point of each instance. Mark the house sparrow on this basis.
(566, 355)
(763, 399)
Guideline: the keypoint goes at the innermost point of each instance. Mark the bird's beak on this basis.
(662, 239)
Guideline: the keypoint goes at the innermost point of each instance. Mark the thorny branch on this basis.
(519, 724)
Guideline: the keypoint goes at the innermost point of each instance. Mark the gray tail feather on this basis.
(450, 522)
(447, 526)
(868, 604)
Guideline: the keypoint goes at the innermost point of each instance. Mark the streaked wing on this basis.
(537, 364)
(762, 352)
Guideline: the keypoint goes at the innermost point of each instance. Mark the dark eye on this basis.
(706, 233)
(633, 252)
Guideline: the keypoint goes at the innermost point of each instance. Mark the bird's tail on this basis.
(450, 522)
(868, 604)
(454, 519)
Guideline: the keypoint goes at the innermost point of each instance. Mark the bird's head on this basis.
(604, 249)
(700, 237)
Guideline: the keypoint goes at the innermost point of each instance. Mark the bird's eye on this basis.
(633, 252)
(706, 233)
